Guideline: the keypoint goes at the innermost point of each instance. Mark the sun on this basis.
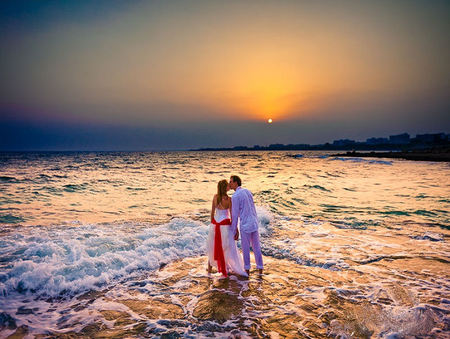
(269, 121)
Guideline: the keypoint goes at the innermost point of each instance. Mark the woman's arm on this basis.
(213, 208)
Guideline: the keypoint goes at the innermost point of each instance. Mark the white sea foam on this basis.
(58, 261)
(72, 260)
(362, 160)
(265, 218)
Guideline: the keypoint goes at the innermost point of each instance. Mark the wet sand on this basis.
(288, 300)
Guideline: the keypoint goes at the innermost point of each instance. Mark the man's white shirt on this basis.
(243, 207)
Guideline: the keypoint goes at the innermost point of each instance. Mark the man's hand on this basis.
(236, 236)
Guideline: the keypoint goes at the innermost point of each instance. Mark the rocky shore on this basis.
(418, 155)
(288, 301)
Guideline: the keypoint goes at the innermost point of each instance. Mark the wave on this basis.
(308, 156)
(429, 236)
(72, 260)
(361, 160)
(74, 187)
(5, 178)
(317, 187)
(10, 219)
(62, 261)
(265, 218)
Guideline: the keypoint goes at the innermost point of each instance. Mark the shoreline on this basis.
(288, 300)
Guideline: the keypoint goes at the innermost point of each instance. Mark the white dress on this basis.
(233, 258)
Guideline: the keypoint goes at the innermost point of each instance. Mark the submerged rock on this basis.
(218, 305)
(7, 321)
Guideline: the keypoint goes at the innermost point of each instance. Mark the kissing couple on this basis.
(223, 231)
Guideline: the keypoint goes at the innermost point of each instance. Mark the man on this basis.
(243, 208)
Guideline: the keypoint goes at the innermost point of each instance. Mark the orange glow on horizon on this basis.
(290, 61)
(264, 89)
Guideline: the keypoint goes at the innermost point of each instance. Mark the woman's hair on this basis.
(221, 190)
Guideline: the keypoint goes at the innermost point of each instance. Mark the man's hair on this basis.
(236, 179)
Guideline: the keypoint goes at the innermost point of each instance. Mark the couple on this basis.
(223, 233)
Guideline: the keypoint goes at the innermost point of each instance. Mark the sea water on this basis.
(81, 234)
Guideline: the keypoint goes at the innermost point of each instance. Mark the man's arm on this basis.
(234, 213)
(236, 234)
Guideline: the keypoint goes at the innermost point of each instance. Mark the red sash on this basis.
(218, 250)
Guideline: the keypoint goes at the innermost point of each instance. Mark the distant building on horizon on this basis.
(399, 139)
(430, 138)
(377, 141)
(394, 142)
(343, 142)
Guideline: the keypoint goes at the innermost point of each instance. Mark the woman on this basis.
(222, 250)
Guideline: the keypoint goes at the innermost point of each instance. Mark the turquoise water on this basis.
(72, 223)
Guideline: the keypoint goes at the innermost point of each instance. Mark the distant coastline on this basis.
(433, 154)
(400, 142)
(423, 147)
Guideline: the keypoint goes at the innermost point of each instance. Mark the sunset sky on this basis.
(153, 75)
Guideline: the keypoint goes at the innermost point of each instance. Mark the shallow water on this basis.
(353, 247)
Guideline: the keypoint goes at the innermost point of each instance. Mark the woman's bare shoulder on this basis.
(226, 201)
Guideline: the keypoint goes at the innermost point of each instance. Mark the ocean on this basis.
(112, 244)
